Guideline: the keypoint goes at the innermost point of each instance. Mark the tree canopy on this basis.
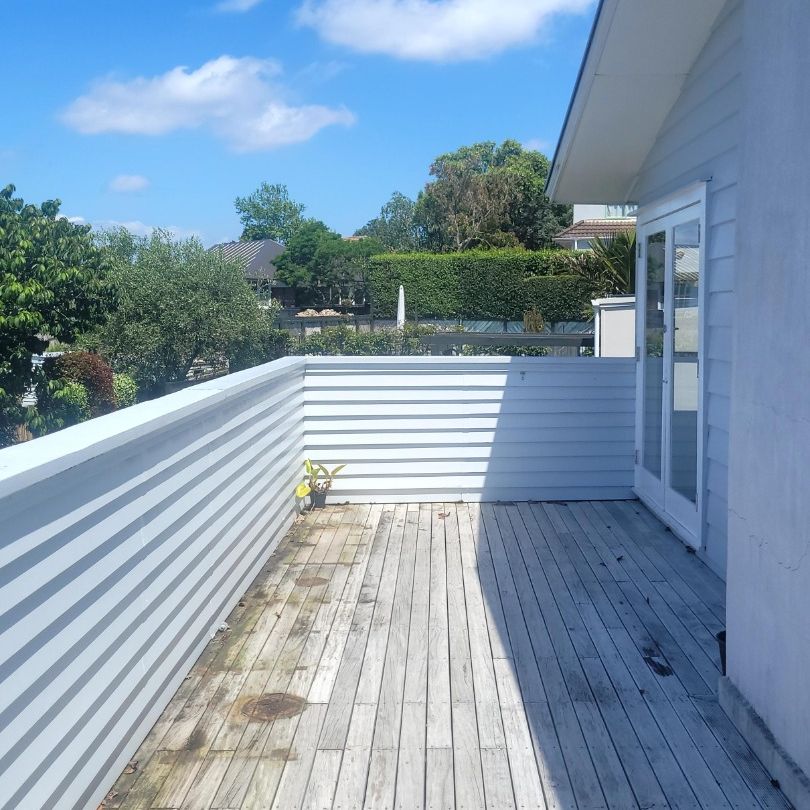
(395, 228)
(52, 285)
(176, 302)
(269, 213)
(485, 195)
(325, 268)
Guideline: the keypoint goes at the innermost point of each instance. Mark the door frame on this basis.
(661, 210)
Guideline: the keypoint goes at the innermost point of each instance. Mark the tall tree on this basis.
(531, 216)
(486, 195)
(269, 213)
(395, 227)
(52, 285)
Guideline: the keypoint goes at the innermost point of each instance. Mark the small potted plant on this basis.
(317, 483)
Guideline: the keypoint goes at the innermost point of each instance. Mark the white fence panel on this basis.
(125, 542)
(446, 429)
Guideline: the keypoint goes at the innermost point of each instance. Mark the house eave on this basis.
(638, 57)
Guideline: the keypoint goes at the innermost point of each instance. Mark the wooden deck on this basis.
(460, 656)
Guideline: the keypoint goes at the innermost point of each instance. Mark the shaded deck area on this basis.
(460, 656)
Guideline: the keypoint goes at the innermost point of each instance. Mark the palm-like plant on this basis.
(615, 272)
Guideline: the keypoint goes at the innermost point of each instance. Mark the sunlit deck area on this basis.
(523, 655)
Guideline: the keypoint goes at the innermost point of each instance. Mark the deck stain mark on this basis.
(659, 668)
(195, 740)
(311, 582)
(273, 706)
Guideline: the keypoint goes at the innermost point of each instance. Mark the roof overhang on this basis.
(638, 57)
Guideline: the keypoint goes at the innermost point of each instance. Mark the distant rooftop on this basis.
(591, 228)
(255, 256)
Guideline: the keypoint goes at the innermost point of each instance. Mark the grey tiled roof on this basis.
(256, 257)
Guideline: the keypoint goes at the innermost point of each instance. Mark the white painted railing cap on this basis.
(30, 463)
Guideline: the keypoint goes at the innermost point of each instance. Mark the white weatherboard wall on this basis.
(125, 542)
(769, 489)
(447, 429)
(700, 141)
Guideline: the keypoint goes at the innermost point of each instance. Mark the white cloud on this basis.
(135, 226)
(433, 30)
(237, 5)
(538, 145)
(238, 99)
(125, 183)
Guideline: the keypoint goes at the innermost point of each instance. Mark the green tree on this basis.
(176, 303)
(530, 215)
(260, 341)
(52, 285)
(269, 213)
(325, 269)
(395, 228)
(485, 195)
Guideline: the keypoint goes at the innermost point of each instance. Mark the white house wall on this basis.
(700, 141)
(769, 487)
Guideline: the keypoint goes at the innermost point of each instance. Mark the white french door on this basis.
(669, 340)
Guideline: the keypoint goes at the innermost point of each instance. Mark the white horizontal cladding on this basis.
(478, 428)
(125, 542)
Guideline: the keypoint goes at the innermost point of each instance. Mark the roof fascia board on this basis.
(582, 87)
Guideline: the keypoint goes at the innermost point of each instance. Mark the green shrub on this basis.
(344, 340)
(504, 351)
(126, 390)
(60, 404)
(558, 298)
(259, 342)
(91, 371)
(476, 283)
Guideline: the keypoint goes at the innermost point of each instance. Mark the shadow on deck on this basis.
(512, 655)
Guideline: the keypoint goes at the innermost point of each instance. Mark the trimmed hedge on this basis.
(480, 284)
(432, 282)
(558, 298)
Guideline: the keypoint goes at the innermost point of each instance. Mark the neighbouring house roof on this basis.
(638, 57)
(255, 256)
(590, 228)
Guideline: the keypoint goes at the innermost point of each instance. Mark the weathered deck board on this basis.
(461, 656)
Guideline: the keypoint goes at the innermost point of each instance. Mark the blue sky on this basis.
(159, 113)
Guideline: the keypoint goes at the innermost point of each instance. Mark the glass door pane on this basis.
(683, 433)
(654, 353)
